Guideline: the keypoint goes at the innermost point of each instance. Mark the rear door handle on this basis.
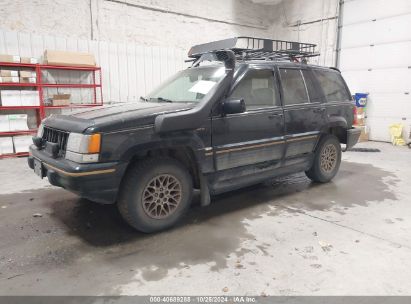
(319, 110)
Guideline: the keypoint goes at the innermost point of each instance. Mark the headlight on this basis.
(83, 148)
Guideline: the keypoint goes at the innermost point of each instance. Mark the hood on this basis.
(114, 117)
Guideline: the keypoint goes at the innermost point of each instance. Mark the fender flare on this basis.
(336, 121)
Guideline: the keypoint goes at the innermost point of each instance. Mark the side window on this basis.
(294, 89)
(332, 85)
(257, 89)
(313, 92)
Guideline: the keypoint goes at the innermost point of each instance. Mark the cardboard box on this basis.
(31, 60)
(9, 79)
(28, 74)
(6, 145)
(61, 99)
(69, 58)
(18, 122)
(4, 123)
(30, 98)
(364, 133)
(28, 80)
(22, 143)
(9, 73)
(10, 58)
(10, 98)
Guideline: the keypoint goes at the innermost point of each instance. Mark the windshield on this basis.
(188, 86)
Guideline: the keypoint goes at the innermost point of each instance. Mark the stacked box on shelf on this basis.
(15, 144)
(30, 98)
(16, 70)
(4, 123)
(17, 59)
(9, 73)
(10, 58)
(13, 122)
(69, 58)
(16, 98)
(24, 74)
(28, 76)
(22, 143)
(61, 100)
(29, 60)
(10, 98)
(9, 76)
(8, 79)
(6, 145)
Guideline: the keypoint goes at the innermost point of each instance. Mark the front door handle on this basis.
(319, 110)
(271, 116)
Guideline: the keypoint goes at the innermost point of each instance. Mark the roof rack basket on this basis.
(249, 48)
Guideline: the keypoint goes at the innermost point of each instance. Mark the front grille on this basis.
(57, 137)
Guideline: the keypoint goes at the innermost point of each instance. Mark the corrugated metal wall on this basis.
(129, 70)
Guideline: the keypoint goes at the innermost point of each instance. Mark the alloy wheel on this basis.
(161, 196)
(328, 159)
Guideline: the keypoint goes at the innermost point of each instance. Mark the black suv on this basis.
(240, 115)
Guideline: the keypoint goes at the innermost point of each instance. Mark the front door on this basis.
(257, 135)
(304, 111)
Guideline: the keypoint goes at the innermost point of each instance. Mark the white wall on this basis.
(137, 42)
(313, 21)
(168, 23)
(128, 70)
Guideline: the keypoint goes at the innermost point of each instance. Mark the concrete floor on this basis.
(287, 237)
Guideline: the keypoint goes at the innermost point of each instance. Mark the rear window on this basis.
(332, 85)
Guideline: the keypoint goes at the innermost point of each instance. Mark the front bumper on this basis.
(352, 137)
(98, 182)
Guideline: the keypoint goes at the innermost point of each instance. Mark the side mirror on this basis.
(233, 106)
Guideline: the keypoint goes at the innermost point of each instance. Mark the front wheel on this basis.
(327, 160)
(155, 194)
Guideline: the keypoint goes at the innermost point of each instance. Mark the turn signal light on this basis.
(94, 143)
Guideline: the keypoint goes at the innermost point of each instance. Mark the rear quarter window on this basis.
(332, 85)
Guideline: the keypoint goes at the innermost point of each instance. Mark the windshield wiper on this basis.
(144, 99)
(161, 99)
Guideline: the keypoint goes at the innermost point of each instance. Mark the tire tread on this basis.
(128, 185)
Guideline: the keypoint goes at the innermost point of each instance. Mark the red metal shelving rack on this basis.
(40, 86)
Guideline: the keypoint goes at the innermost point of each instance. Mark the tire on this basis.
(327, 160)
(155, 194)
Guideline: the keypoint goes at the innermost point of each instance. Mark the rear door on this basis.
(337, 96)
(304, 110)
(257, 135)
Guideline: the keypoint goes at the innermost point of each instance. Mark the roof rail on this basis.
(249, 48)
(335, 69)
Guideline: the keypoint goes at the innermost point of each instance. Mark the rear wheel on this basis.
(155, 194)
(327, 160)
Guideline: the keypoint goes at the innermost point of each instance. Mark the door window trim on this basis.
(275, 85)
(305, 85)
